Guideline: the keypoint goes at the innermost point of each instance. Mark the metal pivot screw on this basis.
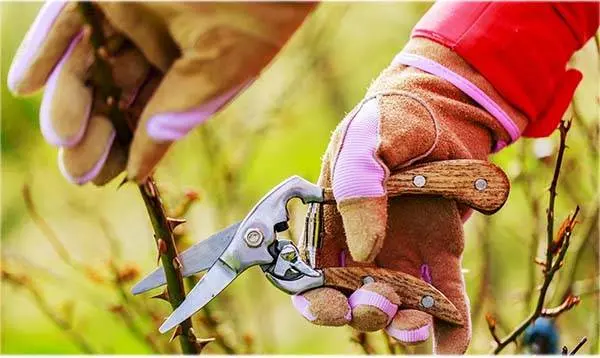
(419, 181)
(368, 279)
(427, 301)
(481, 184)
(254, 237)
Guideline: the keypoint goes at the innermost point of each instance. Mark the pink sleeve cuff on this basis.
(430, 66)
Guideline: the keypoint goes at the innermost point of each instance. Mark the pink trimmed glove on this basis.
(428, 105)
(180, 64)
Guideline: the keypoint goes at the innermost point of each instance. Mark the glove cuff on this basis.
(431, 57)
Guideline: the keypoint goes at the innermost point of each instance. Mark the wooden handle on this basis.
(414, 293)
(481, 185)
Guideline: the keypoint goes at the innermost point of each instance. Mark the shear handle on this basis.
(479, 184)
(413, 292)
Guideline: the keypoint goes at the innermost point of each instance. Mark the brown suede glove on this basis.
(203, 55)
(408, 116)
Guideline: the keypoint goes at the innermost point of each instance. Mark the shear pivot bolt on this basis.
(254, 237)
(481, 184)
(427, 301)
(419, 181)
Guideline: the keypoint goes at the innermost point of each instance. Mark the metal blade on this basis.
(216, 279)
(199, 257)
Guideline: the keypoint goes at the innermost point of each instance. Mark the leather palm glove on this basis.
(180, 64)
(423, 107)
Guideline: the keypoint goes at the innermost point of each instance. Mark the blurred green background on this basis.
(279, 127)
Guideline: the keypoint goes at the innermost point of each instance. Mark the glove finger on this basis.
(448, 278)
(429, 244)
(84, 162)
(53, 30)
(203, 87)
(144, 30)
(410, 327)
(99, 158)
(323, 306)
(358, 177)
(373, 306)
(67, 100)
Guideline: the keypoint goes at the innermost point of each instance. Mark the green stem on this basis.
(163, 234)
(162, 231)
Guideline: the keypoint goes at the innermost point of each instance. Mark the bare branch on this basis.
(556, 248)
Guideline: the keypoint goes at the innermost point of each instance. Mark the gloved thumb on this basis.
(358, 180)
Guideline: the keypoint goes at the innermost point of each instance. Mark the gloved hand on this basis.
(204, 55)
(408, 116)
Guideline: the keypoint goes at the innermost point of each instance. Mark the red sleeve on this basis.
(522, 49)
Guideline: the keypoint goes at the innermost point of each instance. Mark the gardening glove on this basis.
(410, 115)
(178, 65)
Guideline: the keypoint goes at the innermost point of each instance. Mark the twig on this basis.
(578, 346)
(64, 325)
(48, 232)
(552, 265)
(149, 192)
(569, 302)
(491, 322)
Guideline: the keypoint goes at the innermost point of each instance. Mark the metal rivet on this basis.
(254, 237)
(427, 301)
(368, 279)
(481, 184)
(419, 181)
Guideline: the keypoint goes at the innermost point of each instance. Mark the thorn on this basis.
(192, 334)
(149, 188)
(162, 249)
(174, 222)
(123, 182)
(177, 263)
(87, 29)
(178, 331)
(102, 53)
(164, 295)
(202, 342)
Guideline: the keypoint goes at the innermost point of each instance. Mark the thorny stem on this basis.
(551, 266)
(162, 230)
(564, 129)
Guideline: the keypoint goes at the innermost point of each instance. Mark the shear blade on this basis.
(199, 257)
(216, 279)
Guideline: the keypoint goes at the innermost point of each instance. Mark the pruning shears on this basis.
(254, 241)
